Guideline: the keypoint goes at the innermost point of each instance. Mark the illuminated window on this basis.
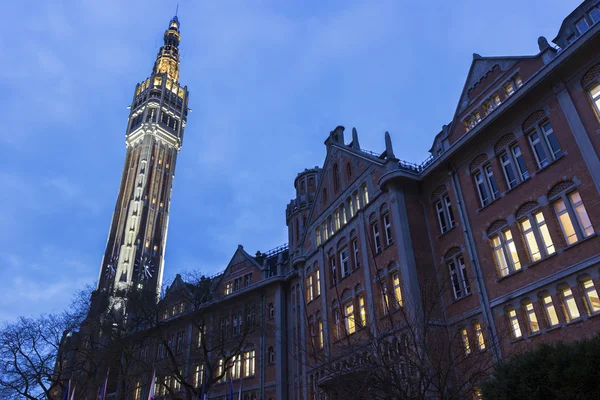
(318, 236)
(198, 375)
(532, 245)
(228, 288)
(362, 310)
(249, 363)
(221, 370)
(532, 320)
(351, 206)
(356, 202)
(365, 193)
(569, 305)
(505, 252)
(458, 276)
(321, 336)
(397, 289)
(465, 339)
(509, 89)
(496, 100)
(513, 320)
(582, 217)
(309, 287)
(550, 310)
(325, 233)
(385, 298)
(591, 296)
(336, 219)
(344, 221)
(317, 281)
(344, 262)
(569, 208)
(138, 391)
(477, 395)
(479, 336)
(236, 367)
(595, 96)
(349, 318)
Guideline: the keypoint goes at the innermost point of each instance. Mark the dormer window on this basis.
(496, 100)
(488, 107)
(582, 26)
(594, 15)
(509, 89)
(518, 81)
(476, 117)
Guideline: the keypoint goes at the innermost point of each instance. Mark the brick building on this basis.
(491, 245)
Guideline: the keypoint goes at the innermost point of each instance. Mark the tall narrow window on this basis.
(532, 320)
(509, 172)
(376, 239)
(505, 252)
(514, 324)
(344, 221)
(355, 253)
(491, 182)
(544, 233)
(545, 144)
(439, 207)
(356, 202)
(344, 262)
(479, 336)
(445, 214)
(565, 222)
(321, 337)
(365, 193)
(458, 276)
(318, 236)
(236, 367)
(336, 178)
(509, 89)
(309, 287)
(595, 94)
(532, 245)
(336, 216)
(551, 140)
(388, 229)
(333, 270)
(465, 339)
(351, 206)
(349, 318)
(550, 310)
(520, 162)
(482, 189)
(591, 296)
(385, 298)
(397, 289)
(569, 304)
(338, 324)
(317, 281)
(249, 363)
(198, 375)
(362, 310)
(221, 370)
(582, 217)
(538, 149)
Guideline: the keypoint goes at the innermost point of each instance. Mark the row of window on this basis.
(238, 283)
(582, 25)
(336, 181)
(387, 229)
(545, 148)
(572, 218)
(175, 344)
(313, 284)
(241, 365)
(490, 104)
(342, 215)
(352, 313)
(568, 304)
(173, 310)
(236, 321)
(347, 264)
(479, 338)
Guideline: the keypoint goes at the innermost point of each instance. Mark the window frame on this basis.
(387, 227)
(397, 289)
(544, 138)
(345, 268)
(349, 320)
(536, 229)
(533, 324)
(589, 291)
(549, 310)
(514, 324)
(485, 184)
(376, 237)
(569, 304)
(458, 276)
(480, 339)
(574, 214)
(504, 246)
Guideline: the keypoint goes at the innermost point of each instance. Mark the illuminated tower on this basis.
(134, 256)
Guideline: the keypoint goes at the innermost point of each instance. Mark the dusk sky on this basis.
(268, 81)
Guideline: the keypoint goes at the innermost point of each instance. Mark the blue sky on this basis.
(268, 81)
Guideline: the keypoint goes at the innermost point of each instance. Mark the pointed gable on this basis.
(481, 68)
(240, 266)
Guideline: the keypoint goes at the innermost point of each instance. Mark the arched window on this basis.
(336, 178)
(591, 84)
(570, 211)
(535, 231)
(365, 194)
(503, 246)
(542, 138)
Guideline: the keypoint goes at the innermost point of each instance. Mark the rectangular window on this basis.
(465, 339)
(448, 203)
(336, 219)
(439, 207)
(550, 310)
(544, 233)
(501, 260)
(509, 172)
(530, 240)
(459, 278)
(333, 270)
(595, 95)
(351, 207)
(518, 81)
(582, 217)
(569, 305)
(397, 289)
(514, 324)
(481, 189)
(321, 337)
(376, 238)
(362, 310)
(496, 100)
(179, 342)
(344, 262)
(488, 107)
(534, 326)
(228, 288)
(491, 182)
(591, 295)
(318, 236)
(309, 288)
(249, 363)
(594, 15)
(538, 150)
(512, 250)
(456, 287)
(385, 298)
(479, 336)
(521, 167)
(198, 375)
(324, 229)
(582, 26)
(221, 370)
(551, 140)
(365, 192)
(565, 221)
(236, 367)
(317, 282)
(509, 89)
(388, 229)
(355, 252)
(338, 324)
(349, 318)
(356, 202)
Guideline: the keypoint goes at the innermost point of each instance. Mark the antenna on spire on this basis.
(177, 9)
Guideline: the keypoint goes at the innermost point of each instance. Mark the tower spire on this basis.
(167, 59)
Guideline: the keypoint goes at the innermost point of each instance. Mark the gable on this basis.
(240, 265)
(480, 68)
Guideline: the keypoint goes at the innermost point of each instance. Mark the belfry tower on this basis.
(134, 256)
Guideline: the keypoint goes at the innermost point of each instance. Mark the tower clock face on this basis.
(144, 267)
(111, 267)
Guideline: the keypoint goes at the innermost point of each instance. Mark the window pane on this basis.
(514, 324)
(532, 245)
(595, 15)
(533, 322)
(551, 140)
(582, 25)
(500, 258)
(454, 278)
(516, 150)
(550, 311)
(481, 189)
(479, 335)
(512, 250)
(492, 182)
(572, 312)
(538, 149)
(509, 173)
(591, 295)
(582, 216)
(545, 234)
(397, 290)
(465, 339)
(565, 222)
